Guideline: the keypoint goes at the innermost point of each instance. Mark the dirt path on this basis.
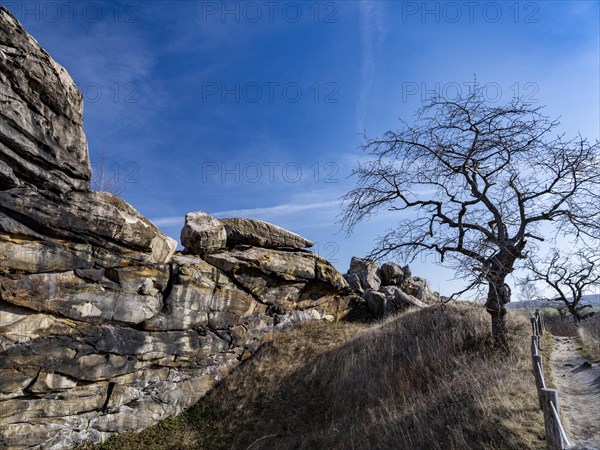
(578, 385)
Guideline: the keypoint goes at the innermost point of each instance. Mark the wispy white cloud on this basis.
(279, 210)
(167, 221)
(257, 213)
(371, 37)
(112, 63)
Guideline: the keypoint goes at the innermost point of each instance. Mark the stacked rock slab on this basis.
(261, 234)
(103, 328)
(388, 289)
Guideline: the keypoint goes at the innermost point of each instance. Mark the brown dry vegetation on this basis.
(560, 325)
(424, 379)
(589, 333)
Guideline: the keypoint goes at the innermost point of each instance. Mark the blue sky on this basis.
(254, 109)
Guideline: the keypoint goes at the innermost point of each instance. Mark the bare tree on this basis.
(528, 289)
(480, 180)
(570, 275)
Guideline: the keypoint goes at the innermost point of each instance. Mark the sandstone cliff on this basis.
(103, 326)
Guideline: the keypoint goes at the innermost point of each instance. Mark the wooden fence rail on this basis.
(556, 437)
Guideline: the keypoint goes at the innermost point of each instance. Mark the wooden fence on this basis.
(556, 437)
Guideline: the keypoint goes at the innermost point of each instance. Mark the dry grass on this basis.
(589, 333)
(560, 325)
(547, 347)
(427, 379)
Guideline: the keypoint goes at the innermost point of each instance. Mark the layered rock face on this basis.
(50, 220)
(388, 289)
(103, 327)
(41, 138)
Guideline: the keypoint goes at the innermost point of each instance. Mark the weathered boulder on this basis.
(395, 291)
(376, 303)
(419, 288)
(290, 266)
(326, 273)
(353, 282)
(261, 234)
(203, 234)
(390, 300)
(398, 300)
(391, 274)
(366, 270)
(282, 278)
(41, 124)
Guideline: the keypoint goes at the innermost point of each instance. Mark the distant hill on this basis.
(592, 299)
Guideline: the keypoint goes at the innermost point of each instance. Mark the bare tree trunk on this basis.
(498, 296)
(576, 317)
(499, 330)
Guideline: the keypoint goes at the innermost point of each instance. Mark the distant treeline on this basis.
(592, 299)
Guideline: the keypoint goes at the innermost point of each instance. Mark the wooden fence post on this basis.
(534, 348)
(538, 372)
(543, 325)
(555, 434)
(556, 438)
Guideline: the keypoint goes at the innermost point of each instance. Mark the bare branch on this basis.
(570, 275)
(481, 180)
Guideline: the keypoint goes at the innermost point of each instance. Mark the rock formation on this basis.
(388, 289)
(366, 273)
(103, 327)
(261, 234)
(42, 141)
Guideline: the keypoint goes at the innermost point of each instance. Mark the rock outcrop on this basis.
(261, 234)
(41, 135)
(103, 327)
(49, 219)
(388, 289)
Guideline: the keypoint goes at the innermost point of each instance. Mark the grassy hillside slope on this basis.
(426, 379)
